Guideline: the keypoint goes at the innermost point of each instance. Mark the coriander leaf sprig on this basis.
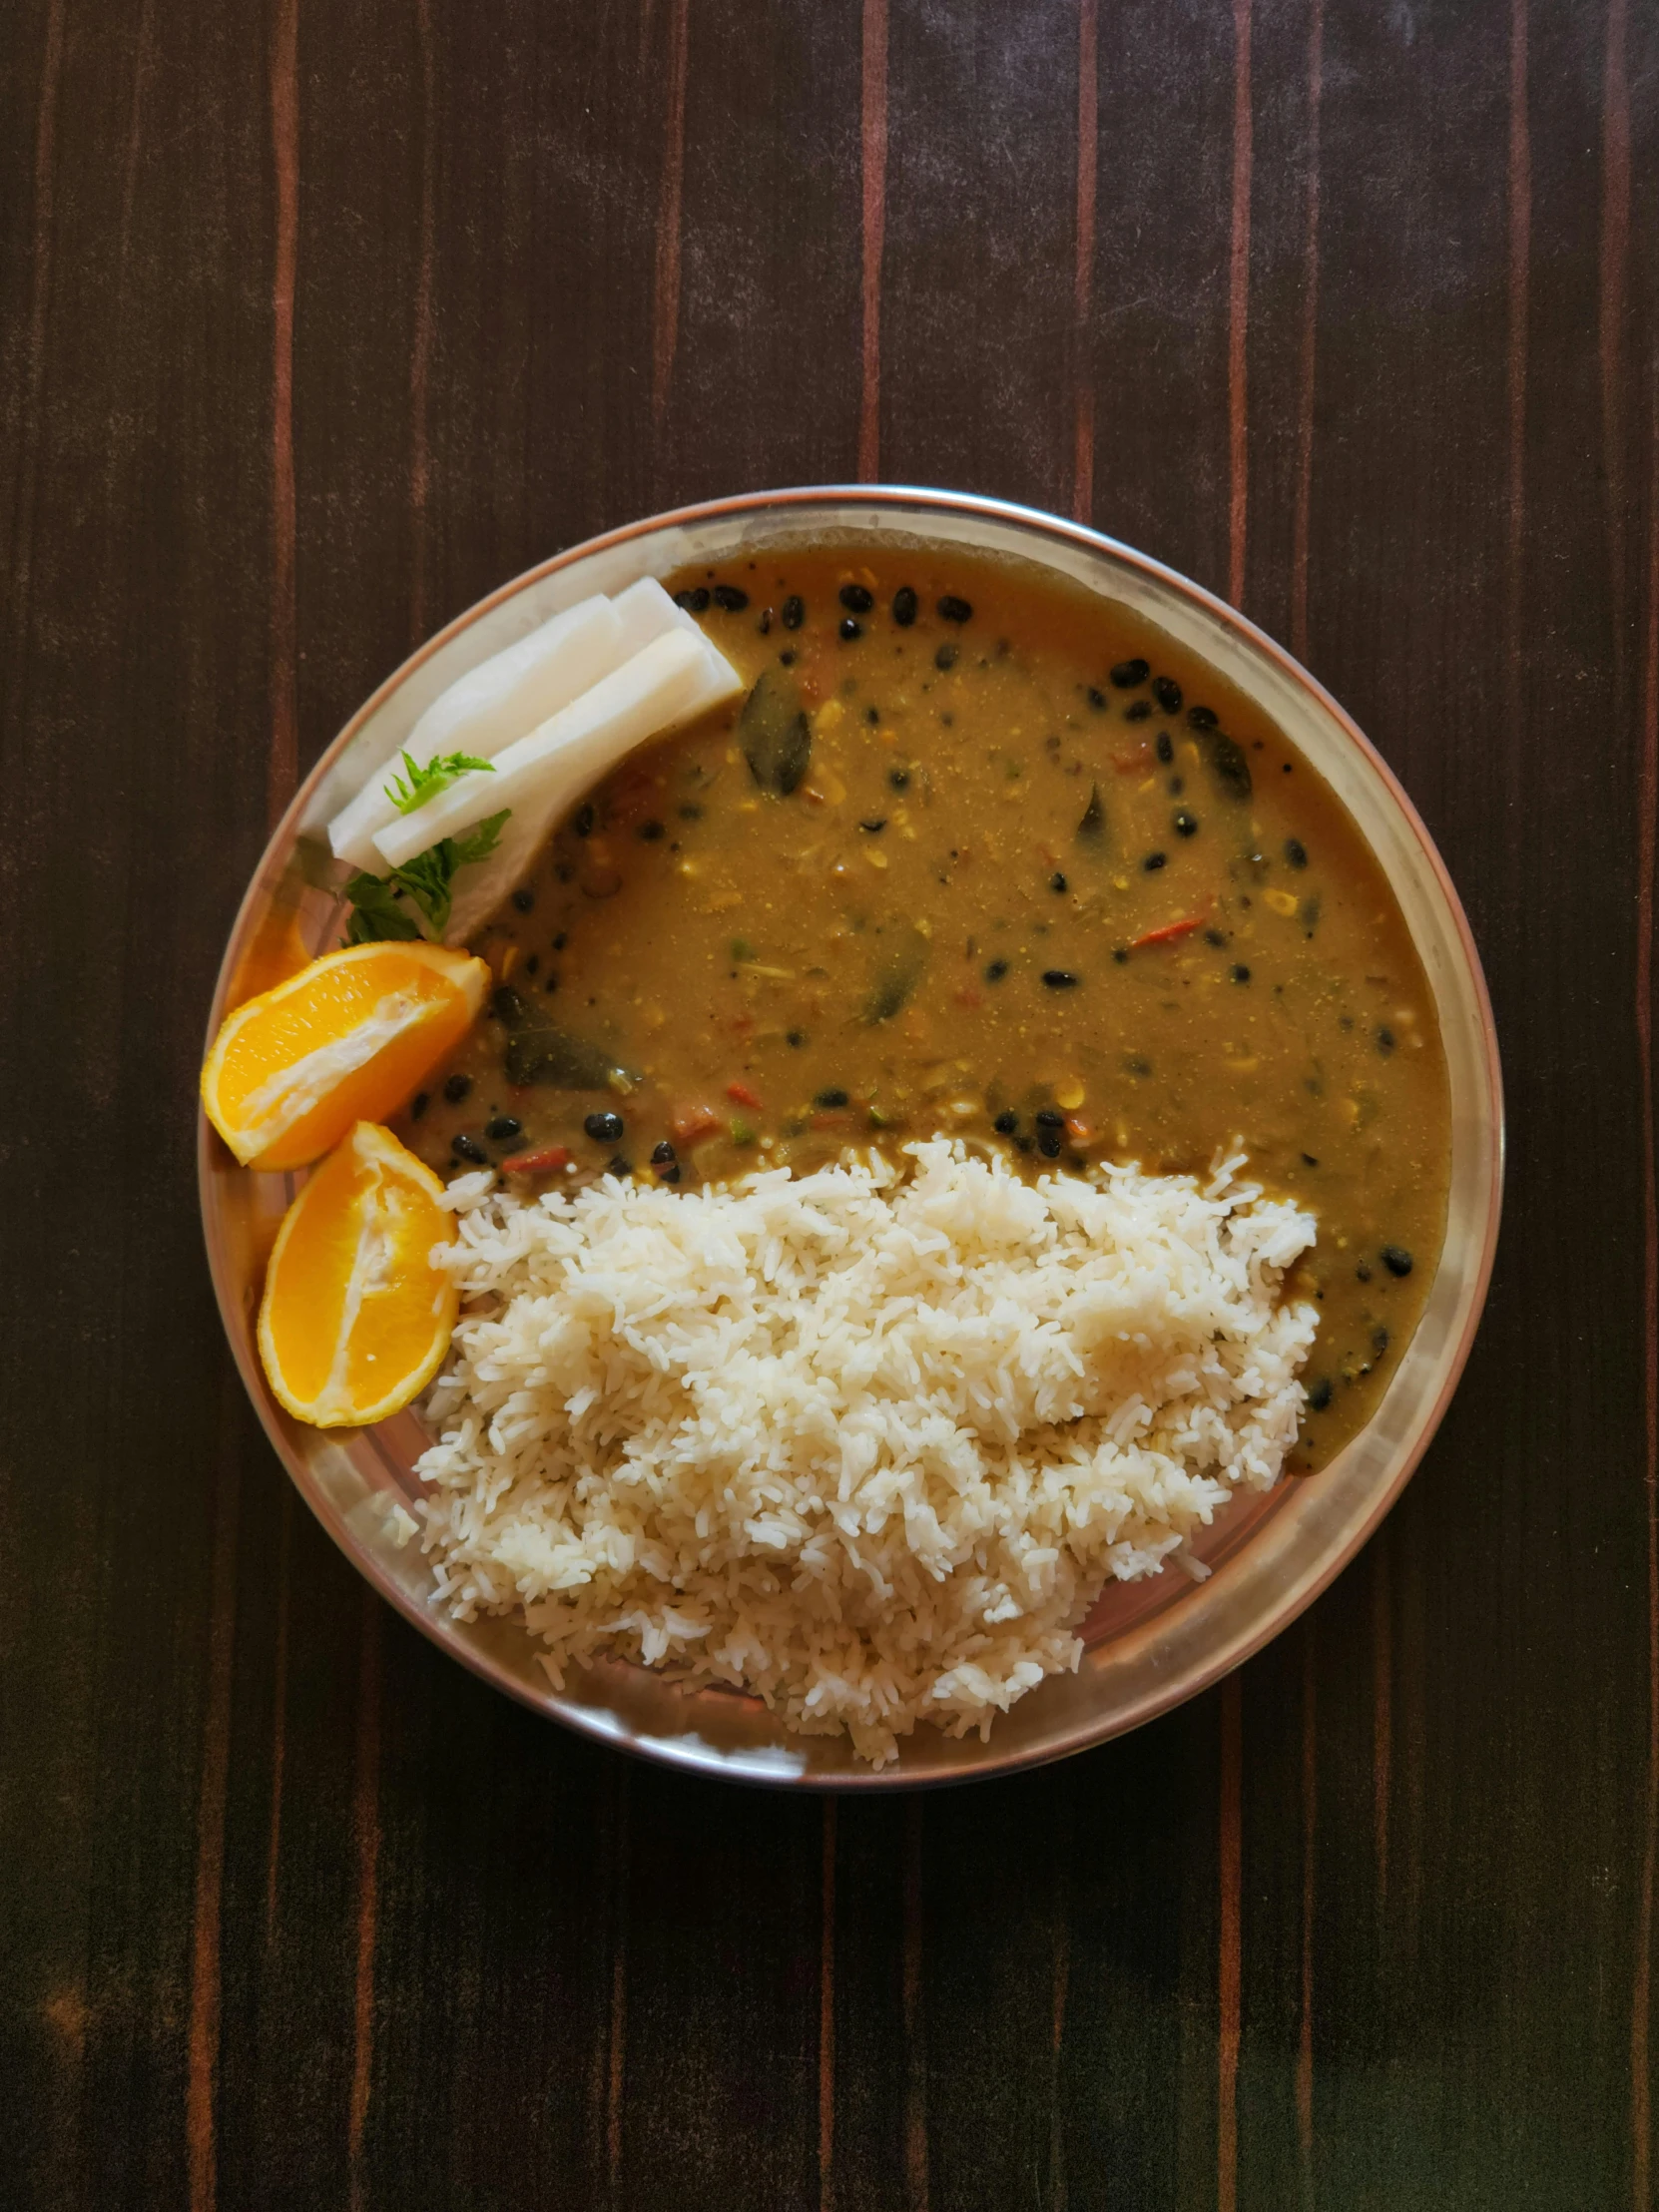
(442, 770)
(428, 880)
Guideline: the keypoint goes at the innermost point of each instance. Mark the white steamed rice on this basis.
(863, 1442)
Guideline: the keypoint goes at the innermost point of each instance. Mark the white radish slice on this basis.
(574, 767)
(673, 679)
(490, 707)
(645, 612)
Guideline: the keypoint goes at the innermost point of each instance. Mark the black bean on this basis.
(829, 1100)
(524, 899)
(1319, 1397)
(794, 612)
(695, 599)
(1056, 882)
(1048, 1142)
(582, 820)
(1363, 1272)
(1138, 710)
(874, 828)
(1296, 853)
(1186, 825)
(1005, 1123)
(662, 1154)
(952, 609)
(1128, 674)
(1167, 692)
(532, 963)
(603, 1127)
(898, 778)
(1241, 974)
(1153, 861)
(1046, 1117)
(852, 628)
(419, 1104)
(1177, 784)
(1396, 1260)
(1384, 1041)
(1213, 936)
(995, 972)
(456, 1087)
(904, 606)
(873, 715)
(1202, 718)
(617, 1165)
(787, 660)
(1059, 979)
(1097, 700)
(855, 599)
(1120, 953)
(1308, 1160)
(669, 1175)
(765, 621)
(468, 1148)
(649, 832)
(945, 657)
(1164, 749)
(560, 941)
(731, 598)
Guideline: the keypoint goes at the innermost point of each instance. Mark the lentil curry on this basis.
(976, 854)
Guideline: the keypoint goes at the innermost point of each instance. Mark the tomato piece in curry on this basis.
(982, 854)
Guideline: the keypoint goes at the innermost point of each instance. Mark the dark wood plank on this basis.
(315, 328)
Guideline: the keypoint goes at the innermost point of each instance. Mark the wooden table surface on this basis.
(315, 324)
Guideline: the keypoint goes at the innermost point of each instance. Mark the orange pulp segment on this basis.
(344, 1040)
(355, 1318)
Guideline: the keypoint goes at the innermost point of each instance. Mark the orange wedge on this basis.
(344, 1040)
(355, 1318)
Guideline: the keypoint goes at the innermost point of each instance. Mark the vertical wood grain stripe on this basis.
(1303, 513)
(283, 764)
(280, 1712)
(1059, 1993)
(1082, 298)
(1520, 262)
(1383, 1705)
(874, 142)
(1647, 806)
(1238, 311)
(617, 2029)
(1310, 1822)
(420, 349)
(1615, 249)
(665, 319)
(915, 2041)
(1229, 1976)
(203, 2045)
(143, 66)
(826, 2018)
(365, 1829)
(40, 299)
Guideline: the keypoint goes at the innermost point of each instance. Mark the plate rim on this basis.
(687, 1754)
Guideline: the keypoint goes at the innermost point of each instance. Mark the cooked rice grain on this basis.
(865, 1442)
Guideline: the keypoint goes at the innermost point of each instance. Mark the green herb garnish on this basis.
(428, 880)
(442, 770)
